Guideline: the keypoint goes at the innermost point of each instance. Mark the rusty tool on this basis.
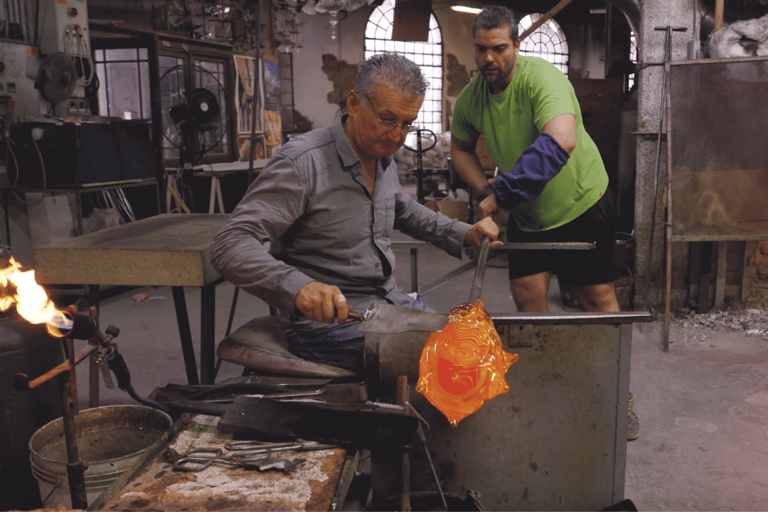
(200, 459)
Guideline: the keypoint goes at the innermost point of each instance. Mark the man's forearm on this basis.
(467, 164)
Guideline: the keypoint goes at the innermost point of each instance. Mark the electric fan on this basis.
(194, 121)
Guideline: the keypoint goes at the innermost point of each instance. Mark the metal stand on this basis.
(84, 327)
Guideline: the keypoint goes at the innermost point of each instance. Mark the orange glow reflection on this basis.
(32, 303)
(464, 365)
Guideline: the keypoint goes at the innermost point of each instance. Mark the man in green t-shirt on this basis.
(552, 179)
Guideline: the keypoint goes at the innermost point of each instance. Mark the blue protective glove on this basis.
(536, 166)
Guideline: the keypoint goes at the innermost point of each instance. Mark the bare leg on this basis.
(530, 292)
(598, 297)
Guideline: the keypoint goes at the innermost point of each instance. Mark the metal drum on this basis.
(24, 348)
(556, 441)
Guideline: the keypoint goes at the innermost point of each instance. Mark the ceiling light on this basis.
(464, 8)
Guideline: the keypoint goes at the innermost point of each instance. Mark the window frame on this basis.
(410, 50)
(555, 27)
(190, 52)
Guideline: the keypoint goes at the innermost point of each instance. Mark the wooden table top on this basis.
(164, 250)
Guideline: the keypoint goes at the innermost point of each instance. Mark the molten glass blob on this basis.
(464, 364)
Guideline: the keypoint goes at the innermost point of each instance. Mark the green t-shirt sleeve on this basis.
(462, 126)
(550, 95)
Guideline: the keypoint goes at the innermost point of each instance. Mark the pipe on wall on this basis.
(631, 9)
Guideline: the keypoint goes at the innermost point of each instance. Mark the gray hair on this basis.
(391, 69)
(495, 17)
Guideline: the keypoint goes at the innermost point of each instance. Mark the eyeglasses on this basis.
(388, 125)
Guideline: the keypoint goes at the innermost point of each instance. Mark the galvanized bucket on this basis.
(110, 440)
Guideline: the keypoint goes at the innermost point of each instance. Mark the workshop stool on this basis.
(261, 345)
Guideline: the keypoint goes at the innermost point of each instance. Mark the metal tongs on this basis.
(477, 282)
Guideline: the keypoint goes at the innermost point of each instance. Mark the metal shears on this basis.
(246, 454)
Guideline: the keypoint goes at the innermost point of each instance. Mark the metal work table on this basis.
(557, 440)
(317, 484)
(165, 250)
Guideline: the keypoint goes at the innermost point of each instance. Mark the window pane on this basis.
(103, 104)
(121, 54)
(146, 111)
(123, 84)
(547, 42)
(427, 55)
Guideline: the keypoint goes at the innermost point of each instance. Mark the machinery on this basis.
(64, 29)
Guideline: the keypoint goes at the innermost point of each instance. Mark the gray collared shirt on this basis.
(312, 203)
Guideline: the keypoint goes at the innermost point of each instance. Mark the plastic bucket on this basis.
(110, 440)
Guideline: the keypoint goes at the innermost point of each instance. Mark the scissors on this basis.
(246, 454)
(198, 459)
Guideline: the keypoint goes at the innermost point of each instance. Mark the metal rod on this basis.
(207, 333)
(93, 367)
(623, 317)
(516, 246)
(405, 462)
(415, 269)
(257, 55)
(477, 282)
(75, 467)
(182, 318)
(668, 224)
(662, 107)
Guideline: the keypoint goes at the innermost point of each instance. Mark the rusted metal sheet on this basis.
(556, 441)
(718, 159)
(158, 487)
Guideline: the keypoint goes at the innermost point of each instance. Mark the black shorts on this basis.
(572, 267)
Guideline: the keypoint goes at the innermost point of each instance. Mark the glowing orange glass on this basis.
(464, 364)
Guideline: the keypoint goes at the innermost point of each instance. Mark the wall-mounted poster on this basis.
(244, 146)
(272, 125)
(271, 82)
(245, 68)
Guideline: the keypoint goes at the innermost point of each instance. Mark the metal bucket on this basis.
(110, 440)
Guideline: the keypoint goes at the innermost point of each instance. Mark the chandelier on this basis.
(333, 7)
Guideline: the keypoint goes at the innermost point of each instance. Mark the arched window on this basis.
(429, 55)
(547, 41)
(633, 57)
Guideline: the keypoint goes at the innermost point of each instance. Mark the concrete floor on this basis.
(703, 406)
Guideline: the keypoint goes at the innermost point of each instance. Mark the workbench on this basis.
(164, 250)
(318, 483)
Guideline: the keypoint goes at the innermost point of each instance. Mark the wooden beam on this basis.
(719, 12)
(545, 18)
(722, 250)
(746, 271)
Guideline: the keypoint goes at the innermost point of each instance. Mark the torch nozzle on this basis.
(77, 326)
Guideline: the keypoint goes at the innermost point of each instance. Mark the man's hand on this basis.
(482, 229)
(323, 303)
(489, 206)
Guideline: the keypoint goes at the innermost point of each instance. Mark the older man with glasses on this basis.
(327, 204)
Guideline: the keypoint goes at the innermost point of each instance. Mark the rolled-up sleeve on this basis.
(269, 208)
(418, 221)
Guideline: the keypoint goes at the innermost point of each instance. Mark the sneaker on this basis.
(633, 423)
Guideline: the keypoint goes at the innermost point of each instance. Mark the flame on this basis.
(32, 303)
